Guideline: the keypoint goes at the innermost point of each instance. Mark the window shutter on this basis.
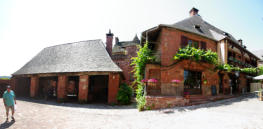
(183, 41)
(203, 45)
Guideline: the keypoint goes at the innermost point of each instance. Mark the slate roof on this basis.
(207, 30)
(83, 56)
(196, 25)
(259, 53)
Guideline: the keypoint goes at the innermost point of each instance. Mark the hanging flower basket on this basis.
(152, 82)
(175, 82)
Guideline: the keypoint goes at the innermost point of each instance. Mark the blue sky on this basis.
(28, 26)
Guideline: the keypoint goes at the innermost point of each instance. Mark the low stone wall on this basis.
(159, 102)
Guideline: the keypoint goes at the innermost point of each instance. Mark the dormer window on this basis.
(226, 34)
(197, 26)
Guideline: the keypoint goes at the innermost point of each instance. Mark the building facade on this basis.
(166, 39)
(81, 71)
(122, 54)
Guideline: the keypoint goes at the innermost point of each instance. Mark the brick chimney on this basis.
(109, 38)
(193, 12)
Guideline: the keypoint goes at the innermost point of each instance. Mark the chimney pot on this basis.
(240, 42)
(193, 11)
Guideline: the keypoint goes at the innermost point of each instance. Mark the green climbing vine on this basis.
(230, 68)
(196, 55)
(144, 55)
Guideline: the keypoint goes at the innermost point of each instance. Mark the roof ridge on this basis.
(72, 43)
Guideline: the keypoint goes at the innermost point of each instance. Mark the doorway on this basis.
(73, 88)
(47, 88)
(98, 88)
(221, 78)
(192, 82)
(233, 82)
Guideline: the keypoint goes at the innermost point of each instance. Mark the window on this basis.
(193, 43)
(183, 41)
(203, 45)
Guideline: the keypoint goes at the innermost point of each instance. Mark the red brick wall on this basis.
(113, 87)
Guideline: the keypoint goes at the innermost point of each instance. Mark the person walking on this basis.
(9, 102)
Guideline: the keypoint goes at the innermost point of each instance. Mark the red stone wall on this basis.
(83, 88)
(125, 63)
(170, 40)
(62, 88)
(34, 84)
(113, 87)
(159, 102)
(177, 72)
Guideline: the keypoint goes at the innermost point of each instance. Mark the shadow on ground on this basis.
(77, 105)
(6, 124)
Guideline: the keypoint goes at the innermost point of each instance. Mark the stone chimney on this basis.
(109, 38)
(116, 40)
(193, 12)
(240, 42)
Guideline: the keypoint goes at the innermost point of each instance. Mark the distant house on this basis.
(81, 70)
(165, 41)
(122, 54)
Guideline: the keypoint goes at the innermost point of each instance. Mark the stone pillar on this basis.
(61, 89)
(34, 86)
(83, 88)
(113, 87)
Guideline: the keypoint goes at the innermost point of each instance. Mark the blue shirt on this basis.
(9, 98)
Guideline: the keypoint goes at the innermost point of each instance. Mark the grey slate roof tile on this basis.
(83, 56)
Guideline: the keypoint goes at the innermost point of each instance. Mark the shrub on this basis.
(124, 94)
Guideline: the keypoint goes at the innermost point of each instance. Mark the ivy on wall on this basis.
(197, 55)
(144, 55)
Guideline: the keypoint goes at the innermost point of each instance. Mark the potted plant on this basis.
(175, 82)
(152, 82)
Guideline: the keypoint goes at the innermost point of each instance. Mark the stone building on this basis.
(165, 41)
(122, 53)
(82, 71)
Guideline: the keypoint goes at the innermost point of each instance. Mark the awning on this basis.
(260, 77)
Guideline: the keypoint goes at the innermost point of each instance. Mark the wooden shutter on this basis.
(183, 41)
(203, 45)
